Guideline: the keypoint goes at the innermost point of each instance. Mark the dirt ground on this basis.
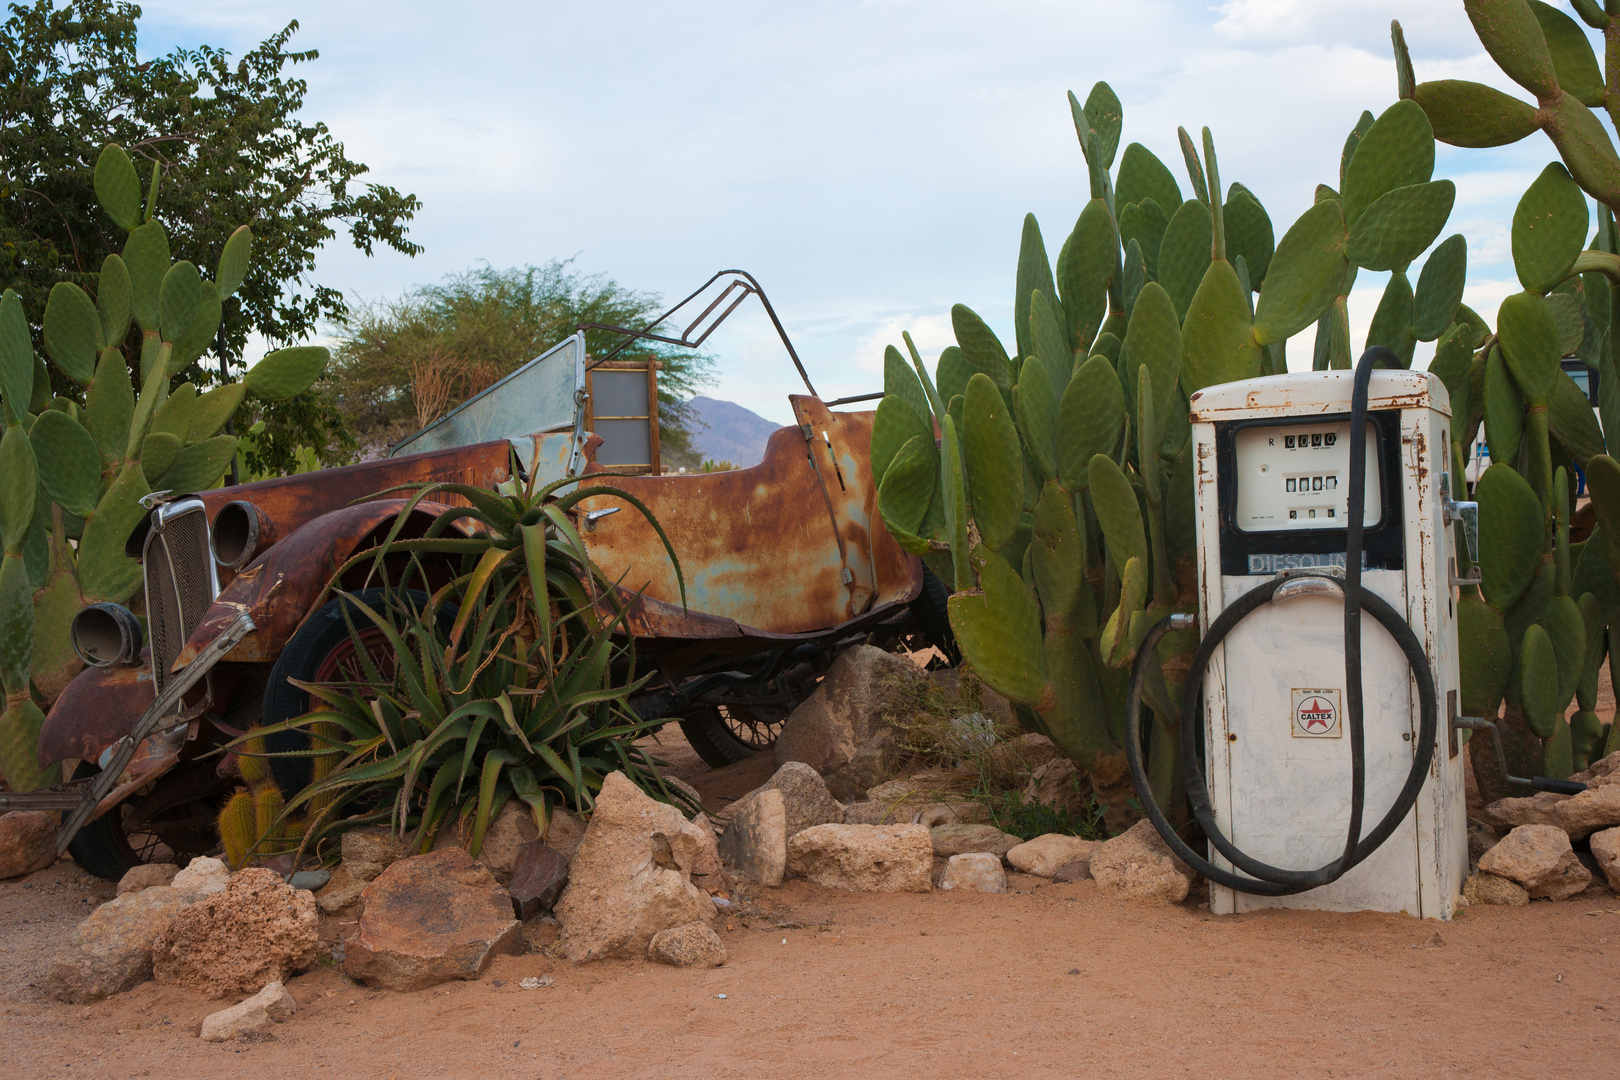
(1045, 980)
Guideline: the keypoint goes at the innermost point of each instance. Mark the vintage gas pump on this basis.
(1320, 760)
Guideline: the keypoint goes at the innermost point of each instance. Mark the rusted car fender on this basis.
(280, 587)
(95, 710)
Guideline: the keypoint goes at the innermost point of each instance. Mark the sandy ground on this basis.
(1046, 980)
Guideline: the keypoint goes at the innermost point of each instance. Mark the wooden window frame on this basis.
(655, 467)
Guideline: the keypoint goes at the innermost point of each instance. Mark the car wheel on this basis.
(726, 734)
(109, 846)
(932, 612)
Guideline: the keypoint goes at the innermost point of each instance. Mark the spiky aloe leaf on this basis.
(1510, 535)
(1249, 234)
(1118, 512)
(1504, 411)
(1084, 266)
(1305, 274)
(1400, 225)
(1473, 114)
(1034, 273)
(1512, 35)
(1573, 62)
(198, 467)
(1549, 229)
(990, 448)
(1485, 656)
(1184, 253)
(69, 463)
(1397, 151)
(1217, 339)
(1440, 288)
(118, 189)
(113, 299)
(1036, 406)
(233, 262)
(286, 372)
(999, 631)
(1143, 176)
(146, 255)
(73, 332)
(1528, 333)
(1091, 421)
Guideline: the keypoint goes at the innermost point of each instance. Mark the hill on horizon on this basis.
(728, 432)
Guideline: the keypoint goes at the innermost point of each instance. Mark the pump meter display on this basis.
(1297, 477)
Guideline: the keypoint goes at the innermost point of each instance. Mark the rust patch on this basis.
(95, 710)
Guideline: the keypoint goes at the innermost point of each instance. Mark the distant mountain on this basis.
(728, 432)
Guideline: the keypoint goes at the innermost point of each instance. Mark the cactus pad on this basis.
(1510, 535)
(69, 463)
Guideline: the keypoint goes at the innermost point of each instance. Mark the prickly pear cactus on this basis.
(1535, 632)
(1053, 489)
(74, 469)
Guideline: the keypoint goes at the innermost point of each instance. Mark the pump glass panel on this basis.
(1298, 477)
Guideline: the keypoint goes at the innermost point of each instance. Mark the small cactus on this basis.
(238, 827)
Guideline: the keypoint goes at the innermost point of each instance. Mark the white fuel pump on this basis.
(1319, 756)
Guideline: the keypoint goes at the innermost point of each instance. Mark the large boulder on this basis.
(693, 945)
(429, 919)
(1045, 855)
(843, 719)
(111, 951)
(631, 876)
(27, 842)
(948, 840)
(258, 930)
(1136, 865)
(864, 858)
(975, 871)
(1606, 850)
(253, 1017)
(1598, 807)
(1540, 858)
(564, 830)
(754, 844)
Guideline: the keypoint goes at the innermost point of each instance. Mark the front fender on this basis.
(279, 588)
(96, 709)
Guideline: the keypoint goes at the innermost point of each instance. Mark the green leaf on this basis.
(1144, 222)
(1538, 681)
(1305, 274)
(158, 451)
(286, 372)
(1185, 253)
(900, 382)
(1549, 229)
(1503, 411)
(16, 624)
(178, 300)
(218, 405)
(1091, 421)
(1392, 322)
(1036, 405)
(146, 256)
(908, 486)
(69, 463)
(895, 424)
(1473, 114)
(1153, 340)
(1248, 233)
(952, 372)
(1528, 333)
(1046, 333)
(118, 189)
(233, 262)
(198, 467)
(1440, 288)
(1485, 656)
(991, 453)
(981, 346)
(73, 332)
(1571, 420)
(1118, 512)
(16, 357)
(999, 631)
(1572, 57)
(1512, 35)
(1511, 535)
(199, 333)
(1034, 273)
(1397, 151)
(1104, 115)
(113, 299)
(1400, 225)
(19, 485)
(1084, 266)
(1143, 176)
(1217, 340)
(109, 405)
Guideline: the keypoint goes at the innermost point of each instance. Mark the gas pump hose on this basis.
(1262, 878)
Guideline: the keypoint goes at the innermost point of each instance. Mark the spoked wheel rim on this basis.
(134, 842)
(755, 726)
(342, 664)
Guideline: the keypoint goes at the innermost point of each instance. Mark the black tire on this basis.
(715, 742)
(301, 659)
(932, 612)
(102, 848)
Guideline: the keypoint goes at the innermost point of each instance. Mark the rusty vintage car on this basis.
(785, 563)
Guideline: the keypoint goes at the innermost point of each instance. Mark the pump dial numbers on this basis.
(1292, 477)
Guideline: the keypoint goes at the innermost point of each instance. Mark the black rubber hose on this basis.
(1267, 880)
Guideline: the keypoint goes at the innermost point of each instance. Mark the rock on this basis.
(1481, 839)
(201, 878)
(864, 858)
(111, 950)
(1045, 855)
(1485, 888)
(369, 851)
(1538, 857)
(692, 945)
(145, 876)
(951, 840)
(873, 812)
(691, 793)
(342, 889)
(1059, 785)
(431, 918)
(631, 876)
(1136, 865)
(708, 870)
(844, 716)
(1606, 850)
(754, 844)
(805, 800)
(255, 1016)
(27, 842)
(1598, 807)
(257, 931)
(1069, 873)
(310, 880)
(564, 830)
(508, 831)
(975, 871)
(537, 879)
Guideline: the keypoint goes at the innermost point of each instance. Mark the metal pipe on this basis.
(1540, 783)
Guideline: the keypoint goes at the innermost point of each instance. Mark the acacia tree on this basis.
(229, 144)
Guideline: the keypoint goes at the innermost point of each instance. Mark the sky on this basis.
(869, 162)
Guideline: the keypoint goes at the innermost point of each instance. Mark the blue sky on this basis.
(870, 162)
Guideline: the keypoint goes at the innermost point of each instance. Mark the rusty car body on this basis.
(784, 562)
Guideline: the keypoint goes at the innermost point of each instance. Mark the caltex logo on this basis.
(1316, 713)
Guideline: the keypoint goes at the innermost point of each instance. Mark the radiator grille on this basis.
(179, 586)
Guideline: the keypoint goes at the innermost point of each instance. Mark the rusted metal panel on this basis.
(763, 548)
(94, 711)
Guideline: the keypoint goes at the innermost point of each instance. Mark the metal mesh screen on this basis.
(179, 586)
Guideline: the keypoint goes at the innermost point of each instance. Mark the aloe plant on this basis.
(77, 465)
(512, 681)
(1054, 489)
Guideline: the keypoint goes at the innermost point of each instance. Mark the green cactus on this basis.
(87, 460)
(1058, 496)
